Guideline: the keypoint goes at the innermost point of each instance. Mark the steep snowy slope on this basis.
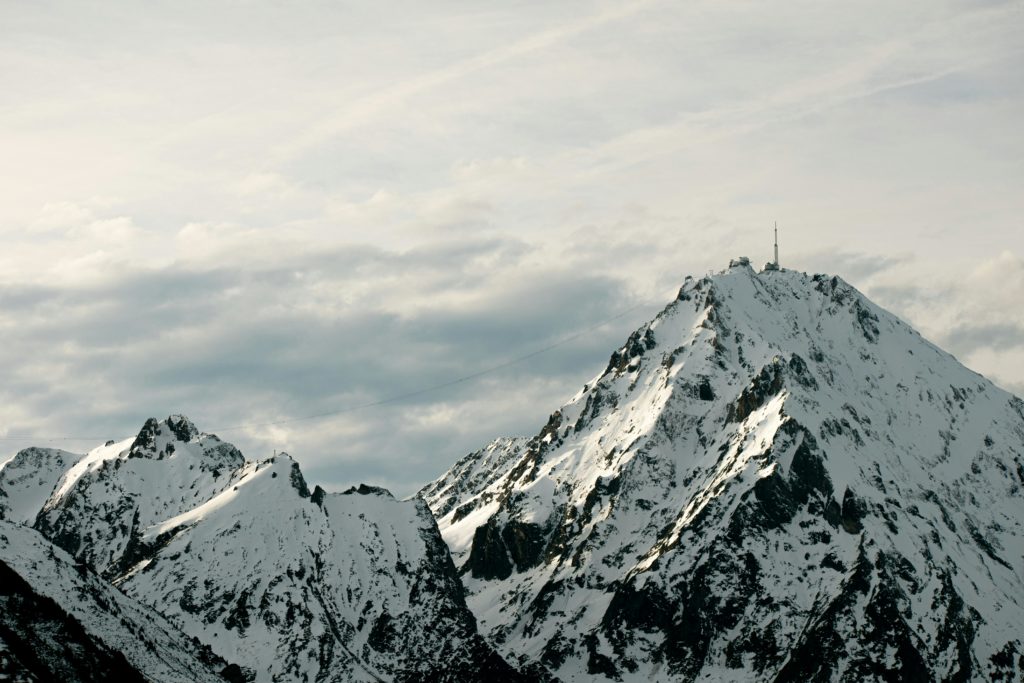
(773, 480)
(295, 586)
(59, 621)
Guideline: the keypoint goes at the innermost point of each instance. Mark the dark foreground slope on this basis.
(61, 622)
(41, 642)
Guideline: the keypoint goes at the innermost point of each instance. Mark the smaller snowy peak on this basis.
(274, 483)
(107, 499)
(285, 465)
(29, 478)
(338, 587)
(354, 586)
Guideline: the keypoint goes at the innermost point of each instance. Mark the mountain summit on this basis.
(774, 480)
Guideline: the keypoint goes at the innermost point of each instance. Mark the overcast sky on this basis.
(255, 211)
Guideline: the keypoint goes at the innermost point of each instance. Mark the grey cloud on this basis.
(967, 338)
(901, 298)
(855, 267)
(1015, 388)
(226, 344)
(18, 298)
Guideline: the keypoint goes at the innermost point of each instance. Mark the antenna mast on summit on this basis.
(776, 244)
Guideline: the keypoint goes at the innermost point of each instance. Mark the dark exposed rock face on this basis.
(766, 384)
(489, 558)
(182, 428)
(298, 481)
(500, 549)
(145, 442)
(364, 490)
(853, 511)
(636, 346)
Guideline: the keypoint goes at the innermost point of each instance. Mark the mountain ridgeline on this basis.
(773, 480)
(275, 582)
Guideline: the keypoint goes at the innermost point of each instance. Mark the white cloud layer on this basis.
(250, 212)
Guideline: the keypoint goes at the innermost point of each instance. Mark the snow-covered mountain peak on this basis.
(764, 435)
(103, 504)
